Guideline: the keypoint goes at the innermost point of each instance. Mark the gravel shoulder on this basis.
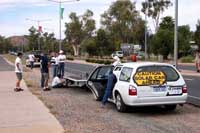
(78, 112)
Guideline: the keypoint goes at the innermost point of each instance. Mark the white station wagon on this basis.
(141, 84)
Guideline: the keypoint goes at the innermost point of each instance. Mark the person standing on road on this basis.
(111, 82)
(31, 60)
(61, 59)
(18, 71)
(54, 64)
(44, 72)
(197, 61)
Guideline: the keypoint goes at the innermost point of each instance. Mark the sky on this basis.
(16, 16)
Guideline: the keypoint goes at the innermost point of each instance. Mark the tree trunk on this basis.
(75, 49)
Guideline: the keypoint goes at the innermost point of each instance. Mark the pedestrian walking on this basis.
(18, 71)
(61, 59)
(31, 60)
(197, 61)
(44, 72)
(111, 82)
(54, 64)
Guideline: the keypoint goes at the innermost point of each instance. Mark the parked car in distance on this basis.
(120, 54)
(141, 84)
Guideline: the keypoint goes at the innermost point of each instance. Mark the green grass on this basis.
(187, 59)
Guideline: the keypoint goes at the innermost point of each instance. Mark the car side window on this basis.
(104, 72)
(126, 74)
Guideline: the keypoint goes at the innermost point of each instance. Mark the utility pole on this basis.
(145, 38)
(60, 2)
(38, 24)
(176, 34)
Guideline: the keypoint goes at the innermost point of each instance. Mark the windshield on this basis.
(170, 73)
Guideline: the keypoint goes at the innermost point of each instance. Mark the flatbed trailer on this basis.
(76, 80)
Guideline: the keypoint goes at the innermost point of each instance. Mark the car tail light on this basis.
(184, 89)
(132, 91)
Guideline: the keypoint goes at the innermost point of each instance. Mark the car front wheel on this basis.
(121, 107)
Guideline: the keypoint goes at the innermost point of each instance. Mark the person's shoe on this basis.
(46, 89)
(16, 89)
(20, 89)
(198, 71)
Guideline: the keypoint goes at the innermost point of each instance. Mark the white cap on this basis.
(61, 52)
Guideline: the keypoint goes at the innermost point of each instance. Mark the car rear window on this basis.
(170, 73)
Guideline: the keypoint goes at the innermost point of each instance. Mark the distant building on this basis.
(129, 48)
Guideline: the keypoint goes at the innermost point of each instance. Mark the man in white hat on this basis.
(61, 59)
(111, 82)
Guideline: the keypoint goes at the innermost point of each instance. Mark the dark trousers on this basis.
(109, 88)
(62, 69)
(32, 64)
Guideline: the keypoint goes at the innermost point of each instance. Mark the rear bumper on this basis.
(147, 101)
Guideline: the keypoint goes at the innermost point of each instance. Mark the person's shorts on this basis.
(19, 76)
(45, 76)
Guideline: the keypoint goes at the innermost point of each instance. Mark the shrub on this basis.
(187, 59)
(70, 58)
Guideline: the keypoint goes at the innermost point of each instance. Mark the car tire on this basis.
(120, 105)
(170, 107)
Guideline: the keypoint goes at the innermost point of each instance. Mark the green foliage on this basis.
(187, 59)
(154, 8)
(89, 46)
(5, 45)
(70, 58)
(197, 34)
(184, 36)
(106, 62)
(122, 22)
(79, 29)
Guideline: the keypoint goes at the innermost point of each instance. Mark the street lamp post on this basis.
(38, 24)
(176, 34)
(145, 38)
(60, 2)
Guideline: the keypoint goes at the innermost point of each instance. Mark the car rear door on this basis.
(157, 81)
(97, 81)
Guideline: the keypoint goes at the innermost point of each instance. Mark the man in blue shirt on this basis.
(44, 72)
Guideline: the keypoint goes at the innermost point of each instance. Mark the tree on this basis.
(121, 21)
(49, 42)
(79, 29)
(154, 9)
(162, 41)
(5, 45)
(33, 39)
(197, 34)
(184, 37)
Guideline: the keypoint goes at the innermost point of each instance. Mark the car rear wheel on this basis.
(121, 107)
(170, 107)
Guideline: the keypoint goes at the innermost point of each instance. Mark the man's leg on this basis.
(62, 69)
(109, 87)
(42, 80)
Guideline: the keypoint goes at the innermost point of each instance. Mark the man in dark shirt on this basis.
(44, 72)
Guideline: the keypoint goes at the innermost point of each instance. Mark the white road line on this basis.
(194, 97)
(189, 79)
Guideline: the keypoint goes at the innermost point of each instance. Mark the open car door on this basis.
(97, 81)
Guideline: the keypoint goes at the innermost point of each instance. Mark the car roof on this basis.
(139, 64)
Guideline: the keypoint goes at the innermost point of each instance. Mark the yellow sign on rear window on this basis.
(146, 78)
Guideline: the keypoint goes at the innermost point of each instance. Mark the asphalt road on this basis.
(4, 66)
(191, 81)
(193, 85)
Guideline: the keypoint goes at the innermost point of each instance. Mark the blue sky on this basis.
(15, 12)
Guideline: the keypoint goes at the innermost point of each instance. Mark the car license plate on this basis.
(175, 90)
(159, 88)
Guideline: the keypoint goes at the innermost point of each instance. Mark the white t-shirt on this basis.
(31, 57)
(56, 81)
(116, 63)
(61, 58)
(18, 61)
